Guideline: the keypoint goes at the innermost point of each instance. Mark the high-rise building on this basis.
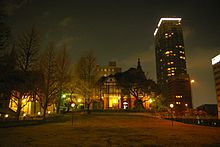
(107, 70)
(216, 71)
(171, 70)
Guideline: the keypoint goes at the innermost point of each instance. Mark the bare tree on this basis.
(27, 55)
(49, 86)
(86, 71)
(28, 49)
(63, 71)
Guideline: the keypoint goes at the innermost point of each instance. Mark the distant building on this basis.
(113, 96)
(216, 71)
(210, 109)
(171, 70)
(107, 70)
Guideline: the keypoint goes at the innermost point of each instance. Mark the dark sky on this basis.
(122, 30)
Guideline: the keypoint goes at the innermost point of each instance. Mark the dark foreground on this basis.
(129, 129)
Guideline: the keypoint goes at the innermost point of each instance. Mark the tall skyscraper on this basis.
(216, 71)
(171, 70)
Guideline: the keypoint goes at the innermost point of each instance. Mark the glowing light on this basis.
(155, 32)
(38, 113)
(114, 101)
(179, 96)
(73, 105)
(192, 81)
(24, 114)
(171, 105)
(48, 112)
(63, 95)
(6, 115)
(186, 105)
(79, 100)
(165, 19)
(24, 100)
(216, 59)
(150, 100)
(169, 19)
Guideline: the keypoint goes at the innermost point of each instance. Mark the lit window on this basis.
(171, 62)
(177, 103)
(105, 69)
(113, 70)
(181, 57)
(168, 68)
(179, 96)
(167, 52)
(173, 74)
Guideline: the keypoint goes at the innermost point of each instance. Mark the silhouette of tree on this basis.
(49, 89)
(86, 72)
(63, 73)
(25, 79)
(133, 82)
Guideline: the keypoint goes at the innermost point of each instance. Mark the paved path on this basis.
(111, 130)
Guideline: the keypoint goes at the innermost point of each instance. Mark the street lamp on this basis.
(192, 81)
(171, 106)
(72, 105)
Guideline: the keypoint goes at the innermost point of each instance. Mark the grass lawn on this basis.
(111, 129)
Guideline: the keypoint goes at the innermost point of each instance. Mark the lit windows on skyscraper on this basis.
(171, 62)
(216, 71)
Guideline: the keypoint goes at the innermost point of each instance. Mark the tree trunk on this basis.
(18, 109)
(139, 105)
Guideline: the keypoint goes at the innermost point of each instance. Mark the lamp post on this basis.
(72, 105)
(171, 106)
(186, 105)
(193, 88)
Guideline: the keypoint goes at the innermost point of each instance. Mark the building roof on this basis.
(216, 59)
(165, 19)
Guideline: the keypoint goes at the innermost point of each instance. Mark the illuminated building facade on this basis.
(216, 71)
(171, 70)
(115, 96)
(110, 69)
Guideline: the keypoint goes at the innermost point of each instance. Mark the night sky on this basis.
(122, 30)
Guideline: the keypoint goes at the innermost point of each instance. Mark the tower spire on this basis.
(139, 65)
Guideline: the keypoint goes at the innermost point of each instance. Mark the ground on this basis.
(112, 129)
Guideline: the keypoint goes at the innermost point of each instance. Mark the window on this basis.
(179, 96)
(181, 57)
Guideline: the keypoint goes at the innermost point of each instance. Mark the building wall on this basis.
(216, 72)
(171, 59)
(107, 70)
